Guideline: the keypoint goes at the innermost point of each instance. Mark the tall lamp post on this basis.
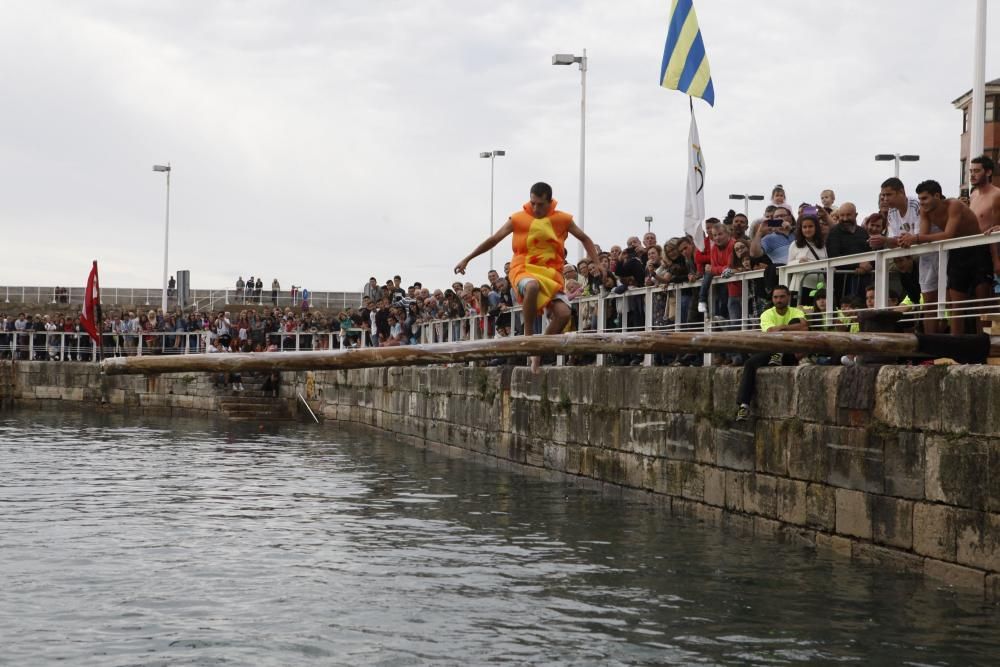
(897, 158)
(166, 233)
(746, 201)
(492, 155)
(569, 59)
(649, 223)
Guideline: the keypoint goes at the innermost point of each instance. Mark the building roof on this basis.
(991, 87)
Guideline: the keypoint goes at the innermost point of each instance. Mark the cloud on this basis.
(322, 142)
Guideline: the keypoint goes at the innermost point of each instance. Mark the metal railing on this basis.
(881, 260)
(72, 346)
(199, 298)
(591, 314)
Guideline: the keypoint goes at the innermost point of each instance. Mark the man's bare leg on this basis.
(931, 323)
(559, 314)
(956, 324)
(529, 309)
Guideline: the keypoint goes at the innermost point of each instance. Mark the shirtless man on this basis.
(985, 204)
(967, 267)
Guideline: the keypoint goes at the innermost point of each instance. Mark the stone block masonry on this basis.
(897, 466)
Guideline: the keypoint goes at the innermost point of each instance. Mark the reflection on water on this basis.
(189, 542)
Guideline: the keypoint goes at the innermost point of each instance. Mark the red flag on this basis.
(90, 320)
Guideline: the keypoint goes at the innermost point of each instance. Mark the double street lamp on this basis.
(746, 201)
(649, 223)
(569, 59)
(166, 232)
(492, 155)
(897, 158)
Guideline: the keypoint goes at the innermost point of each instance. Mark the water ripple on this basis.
(188, 542)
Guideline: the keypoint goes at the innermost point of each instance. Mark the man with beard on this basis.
(985, 203)
(942, 219)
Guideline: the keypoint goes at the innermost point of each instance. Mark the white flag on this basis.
(694, 202)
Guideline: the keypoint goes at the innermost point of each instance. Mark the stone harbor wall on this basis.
(55, 384)
(894, 465)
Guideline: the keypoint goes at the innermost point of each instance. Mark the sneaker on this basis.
(847, 360)
(775, 359)
(702, 307)
(743, 413)
(807, 361)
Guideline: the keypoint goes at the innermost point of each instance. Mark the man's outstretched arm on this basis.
(497, 237)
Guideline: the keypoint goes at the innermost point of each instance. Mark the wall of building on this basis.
(898, 465)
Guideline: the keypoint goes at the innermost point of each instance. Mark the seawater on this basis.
(182, 542)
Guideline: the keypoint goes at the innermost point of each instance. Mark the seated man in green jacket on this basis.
(781, 317)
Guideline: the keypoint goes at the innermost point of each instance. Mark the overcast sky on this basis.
(324, 141)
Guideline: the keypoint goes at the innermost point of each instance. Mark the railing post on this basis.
(647, 359)
(139, 344)
(62, 346)
(881, 283)
(601, 310)
(942, 283)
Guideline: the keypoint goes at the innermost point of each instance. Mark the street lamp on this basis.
(492, 155)
(746, 201)
(649, 223)
(897, 158)
(166, 232)
(569, 59)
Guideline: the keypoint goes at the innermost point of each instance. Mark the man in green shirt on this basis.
(781, 317)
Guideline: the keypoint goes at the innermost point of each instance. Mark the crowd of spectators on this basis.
(785, 234)
(392, 314)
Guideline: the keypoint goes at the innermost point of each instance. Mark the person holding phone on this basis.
(773, 236)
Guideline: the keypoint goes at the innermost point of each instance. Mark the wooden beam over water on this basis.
(807, 342)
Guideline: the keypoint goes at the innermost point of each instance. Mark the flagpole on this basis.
(97, 316)
(978, 116)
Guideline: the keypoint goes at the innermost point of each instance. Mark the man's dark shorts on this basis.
(969, 267)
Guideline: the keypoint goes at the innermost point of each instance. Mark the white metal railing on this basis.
(200, 298)
(590, 314)
(72, 346)
(881, 259)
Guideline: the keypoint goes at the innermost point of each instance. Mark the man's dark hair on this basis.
(418, 285)
(541, 189)
(893, 184)
(770, 208)
(778, 287)
(984, 160)
(396, 278)
(930, 187)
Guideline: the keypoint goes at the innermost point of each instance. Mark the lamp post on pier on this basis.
(569, 59)
(746, 201)
(492, 155)
(897, 158)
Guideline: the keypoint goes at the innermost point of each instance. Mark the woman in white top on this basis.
(809, 246)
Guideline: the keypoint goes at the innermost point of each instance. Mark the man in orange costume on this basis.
(539, 243)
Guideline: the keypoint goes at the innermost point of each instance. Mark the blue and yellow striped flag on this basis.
(685, 66)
